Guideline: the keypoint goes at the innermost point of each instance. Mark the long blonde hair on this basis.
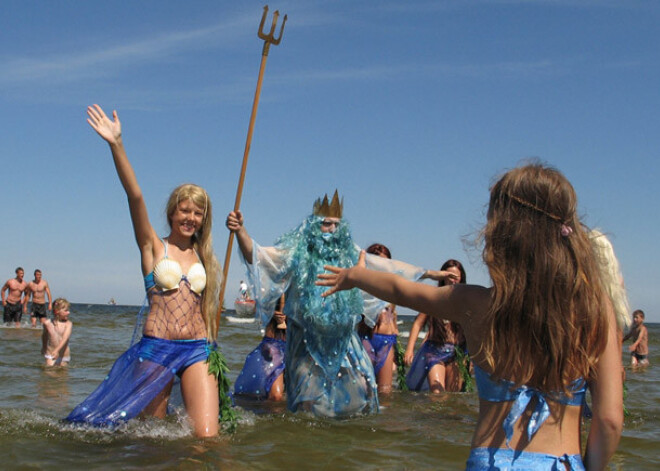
(203, 244)
(611, 277)
(546, 321)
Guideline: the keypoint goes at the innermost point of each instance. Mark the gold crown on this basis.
(329, 210)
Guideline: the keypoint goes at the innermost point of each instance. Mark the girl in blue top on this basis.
(542, 333)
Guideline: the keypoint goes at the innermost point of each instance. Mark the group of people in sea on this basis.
(548, 329)
(17, 294)
(56, 332)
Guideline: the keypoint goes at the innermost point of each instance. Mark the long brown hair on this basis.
(546, 319)
(203, 244)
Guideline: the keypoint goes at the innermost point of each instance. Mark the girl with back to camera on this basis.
(539, 337)
(181, 278)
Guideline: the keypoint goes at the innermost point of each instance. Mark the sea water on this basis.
(413, 431)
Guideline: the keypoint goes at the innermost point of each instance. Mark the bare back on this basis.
(558, 435)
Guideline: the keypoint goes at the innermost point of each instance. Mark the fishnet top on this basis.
(175, 314)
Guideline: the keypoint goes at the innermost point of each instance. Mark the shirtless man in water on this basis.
(13, 303)
(38, 289)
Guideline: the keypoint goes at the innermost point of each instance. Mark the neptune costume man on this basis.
(328, 371)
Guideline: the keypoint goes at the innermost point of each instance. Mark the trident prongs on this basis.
(270, 37)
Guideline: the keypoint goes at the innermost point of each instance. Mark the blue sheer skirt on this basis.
(378, 347)
(136, 378)
(262, 367)
(429, 355)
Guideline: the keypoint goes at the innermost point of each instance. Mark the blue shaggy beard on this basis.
(328, 322)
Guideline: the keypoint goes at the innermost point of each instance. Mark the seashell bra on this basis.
(167, 274)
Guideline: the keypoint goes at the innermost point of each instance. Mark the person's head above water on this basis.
(330, 211)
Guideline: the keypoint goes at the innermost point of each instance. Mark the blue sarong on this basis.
(136, 378)
(429, 355)
(262, 367)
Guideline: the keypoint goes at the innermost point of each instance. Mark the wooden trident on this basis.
(268, 40)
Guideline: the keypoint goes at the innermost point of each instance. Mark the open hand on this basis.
(108, 129)
(338, 278)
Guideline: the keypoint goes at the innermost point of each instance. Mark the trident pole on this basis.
(268, 40)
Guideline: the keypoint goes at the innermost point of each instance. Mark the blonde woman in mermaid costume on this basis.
(181, 278)
(538, 338)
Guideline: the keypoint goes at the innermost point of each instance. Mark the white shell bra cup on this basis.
(168, 274)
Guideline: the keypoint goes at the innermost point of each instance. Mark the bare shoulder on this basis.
(474, 299)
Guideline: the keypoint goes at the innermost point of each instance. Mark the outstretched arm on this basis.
(110, 131)
(235, 224)
(449, 302)
(607, 402)
(440, 275)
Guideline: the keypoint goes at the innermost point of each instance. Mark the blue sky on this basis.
(410, 109)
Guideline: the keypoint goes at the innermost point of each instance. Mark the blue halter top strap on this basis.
(502, 391)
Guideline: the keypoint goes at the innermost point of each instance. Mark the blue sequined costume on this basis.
(262, 367)
(327, 372)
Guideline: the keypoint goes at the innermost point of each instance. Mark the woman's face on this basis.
(187, 218)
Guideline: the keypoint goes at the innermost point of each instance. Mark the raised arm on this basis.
(235, 224)
(110, 131)
(414, 333)
(607, 403)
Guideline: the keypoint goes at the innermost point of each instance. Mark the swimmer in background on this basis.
(639, 350)
(38, 289)
(56, 335)
(244, 290)
(13, 303)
